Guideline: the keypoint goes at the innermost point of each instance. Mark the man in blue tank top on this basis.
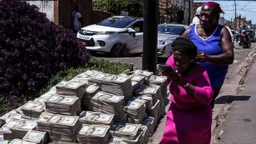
(215, 50)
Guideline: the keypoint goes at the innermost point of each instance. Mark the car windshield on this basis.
(117, 22)
(171, 29)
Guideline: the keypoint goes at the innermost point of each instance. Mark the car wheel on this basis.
(119, 50)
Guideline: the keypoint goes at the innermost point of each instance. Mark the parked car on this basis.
(167, 33)
(105, 36)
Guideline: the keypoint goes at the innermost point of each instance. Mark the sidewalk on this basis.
(240, 126)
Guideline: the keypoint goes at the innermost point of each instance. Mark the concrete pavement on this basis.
(240, 126)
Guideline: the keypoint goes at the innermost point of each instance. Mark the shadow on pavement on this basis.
(230, 98)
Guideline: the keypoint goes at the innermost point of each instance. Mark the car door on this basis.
(138, 39)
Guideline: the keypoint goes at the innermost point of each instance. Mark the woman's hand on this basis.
(201, 57)
(174, 77)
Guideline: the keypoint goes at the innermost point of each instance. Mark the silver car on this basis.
(167, 33)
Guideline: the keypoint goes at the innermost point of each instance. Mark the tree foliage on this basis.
(116, 6)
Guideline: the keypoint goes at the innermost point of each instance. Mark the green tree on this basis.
(116, 6)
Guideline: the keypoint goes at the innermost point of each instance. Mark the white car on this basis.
(167, 33)
(107, 34)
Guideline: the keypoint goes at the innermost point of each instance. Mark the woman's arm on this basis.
(227, 57)
(202, 89)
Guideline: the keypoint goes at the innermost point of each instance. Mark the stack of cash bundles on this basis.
(93, 107)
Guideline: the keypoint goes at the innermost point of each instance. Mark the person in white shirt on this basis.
(77, 19)
(196, 18)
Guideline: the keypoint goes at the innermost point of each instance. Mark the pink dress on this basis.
(189, 117)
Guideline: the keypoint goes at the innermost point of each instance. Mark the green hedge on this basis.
(92, 64)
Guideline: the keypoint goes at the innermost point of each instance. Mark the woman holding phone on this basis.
(189, 117)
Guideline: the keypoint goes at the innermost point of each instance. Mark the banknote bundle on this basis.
(71, 88)
(9, 116)
(91, 90)
(148, 99)
(155, 110)
(20, 141)
(125, 130)
(137, 80)
(46, 95)
(160, 81)
(150, 123)
(99, 118)
(108, 103)
(114, 84)
(136, 110)
(36, 137)
(147, 74)
(60, 127)
(63, 104)
(128, 133)
(17, 128)
(93, 134)
(32, 109)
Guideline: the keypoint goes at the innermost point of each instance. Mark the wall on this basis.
(45, 6)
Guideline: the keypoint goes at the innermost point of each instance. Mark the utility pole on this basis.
(150, 15)
(235, 14)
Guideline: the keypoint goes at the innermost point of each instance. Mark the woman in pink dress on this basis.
(189, 117)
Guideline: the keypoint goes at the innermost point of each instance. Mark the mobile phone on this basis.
(166, 68)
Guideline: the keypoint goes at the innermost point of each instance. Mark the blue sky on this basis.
(245, 8)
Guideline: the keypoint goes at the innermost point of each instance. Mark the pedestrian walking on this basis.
(189, 117)
(215, 49)
(196, 17)
(77, 19)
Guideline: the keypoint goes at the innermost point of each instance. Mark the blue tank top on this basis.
(211, 46)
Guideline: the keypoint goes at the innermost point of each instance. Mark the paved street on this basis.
(240, 55)
(240, 126)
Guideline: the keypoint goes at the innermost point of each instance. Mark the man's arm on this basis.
(227, 57)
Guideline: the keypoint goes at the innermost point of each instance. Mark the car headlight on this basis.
(105, 33)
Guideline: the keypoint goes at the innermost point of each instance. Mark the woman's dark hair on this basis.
(185, 46)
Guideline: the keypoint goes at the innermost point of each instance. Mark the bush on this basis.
(32, 49)
(68, 74)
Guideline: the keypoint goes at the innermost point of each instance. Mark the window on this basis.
(138, 26)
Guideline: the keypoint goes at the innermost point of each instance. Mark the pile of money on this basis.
(71, 88)
(60, 127)
(63, 104)
(89, 117)
(17, 128)
(108, 103)
(87, 75)
(91, 90)
(32, 109)
(9, 116)
(114, 84)
(136, 110)
(93, 134)
(20, 141)
(150, 123)
(125, 130)
(36, 137)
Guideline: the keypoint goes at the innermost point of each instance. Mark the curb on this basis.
(237, 82)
